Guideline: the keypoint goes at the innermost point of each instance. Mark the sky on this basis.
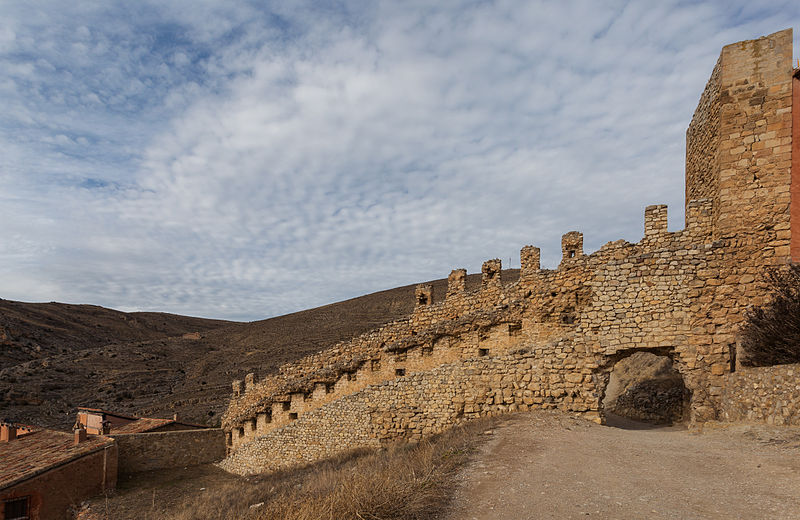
(243, 160)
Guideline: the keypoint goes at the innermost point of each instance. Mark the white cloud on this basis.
(230, 162)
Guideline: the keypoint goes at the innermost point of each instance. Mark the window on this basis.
(17, 508)
(376, 365)
(292, 416)
(286, 405)
(399, 372)
(483, 352)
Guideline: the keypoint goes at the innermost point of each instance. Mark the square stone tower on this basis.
(739, 148)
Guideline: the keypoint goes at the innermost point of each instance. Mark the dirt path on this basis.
(548, 465)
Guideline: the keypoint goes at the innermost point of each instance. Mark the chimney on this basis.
(80, 435)
(106, 427)
(8, 432)
(175, 416)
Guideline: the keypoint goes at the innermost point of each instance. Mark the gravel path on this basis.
(550, 465)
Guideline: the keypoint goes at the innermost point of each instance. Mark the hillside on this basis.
(31, 331)
(56, 357)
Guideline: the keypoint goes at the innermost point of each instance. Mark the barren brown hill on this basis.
(140, 363)
(31, 331)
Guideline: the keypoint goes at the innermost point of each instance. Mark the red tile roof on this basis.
(41, 450)
(145, 424)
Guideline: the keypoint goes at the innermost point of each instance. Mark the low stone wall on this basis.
(422, 404)
(148, 451)
(763, 394)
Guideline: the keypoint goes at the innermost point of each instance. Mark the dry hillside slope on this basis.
(31, 331)
(92, 356)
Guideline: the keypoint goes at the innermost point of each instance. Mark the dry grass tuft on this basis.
(401, 482)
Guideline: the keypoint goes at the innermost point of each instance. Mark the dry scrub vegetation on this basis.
(771, 333)
(400, 482)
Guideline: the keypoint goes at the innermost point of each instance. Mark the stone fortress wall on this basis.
(550, 339)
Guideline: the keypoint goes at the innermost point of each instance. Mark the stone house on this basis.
(44, 473)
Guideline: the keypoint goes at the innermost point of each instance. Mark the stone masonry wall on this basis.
(464, 325)
(750, 225)
(702, 142)
(556, 334)
(422, 404)
(763, 394)
(622, 298)
(158, 450)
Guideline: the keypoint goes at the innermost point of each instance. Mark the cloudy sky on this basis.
(243, 160)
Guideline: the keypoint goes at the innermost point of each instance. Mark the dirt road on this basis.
(550, 465)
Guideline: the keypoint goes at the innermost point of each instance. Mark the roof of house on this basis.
(145, 424)
(106, 412)
(139, 424)
(42, 450)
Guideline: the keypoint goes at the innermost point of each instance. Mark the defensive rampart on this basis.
(551, 338)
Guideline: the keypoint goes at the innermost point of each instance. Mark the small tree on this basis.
(771, 333)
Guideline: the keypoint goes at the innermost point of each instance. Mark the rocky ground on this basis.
(550, 465)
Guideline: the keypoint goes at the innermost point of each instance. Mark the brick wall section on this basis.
(159, 450)
(55, 492)
(763, 394)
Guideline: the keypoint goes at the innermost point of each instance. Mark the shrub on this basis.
(771, 333)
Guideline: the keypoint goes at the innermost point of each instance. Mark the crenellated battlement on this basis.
(441, 331)
(571, 246)
(655, 221)
(491, 273)
(551, 338)
(456, 283)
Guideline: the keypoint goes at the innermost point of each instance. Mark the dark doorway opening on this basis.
(645, 388)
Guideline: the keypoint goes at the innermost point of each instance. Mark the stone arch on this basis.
(644, 385)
